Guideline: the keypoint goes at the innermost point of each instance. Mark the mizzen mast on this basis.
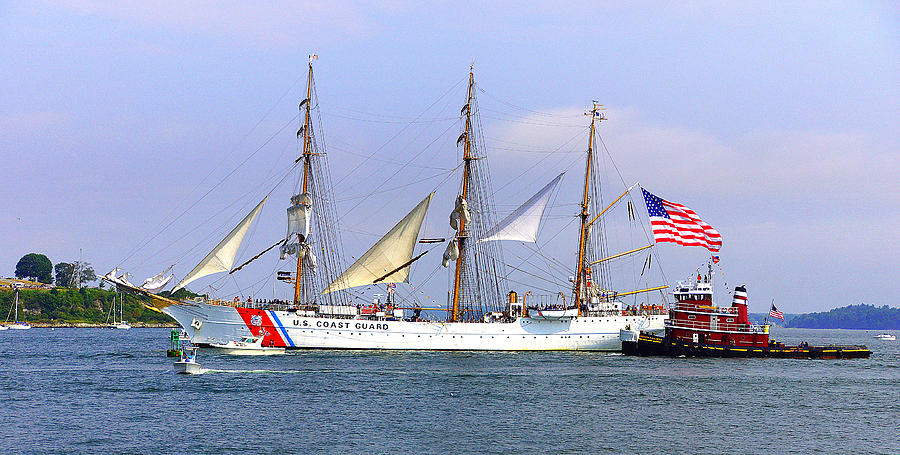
(581, 266)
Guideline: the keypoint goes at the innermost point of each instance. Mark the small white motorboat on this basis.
(886, 337)
(627, 334)
(247, 345)
(188, 362)
(552, 313)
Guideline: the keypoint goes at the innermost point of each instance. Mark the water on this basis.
(108, 391)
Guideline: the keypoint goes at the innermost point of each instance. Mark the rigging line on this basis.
(382, 146)
(540, 161)
(384, 181)
(230, 154)
(510, 104)
(525, 122)
(631, 198)
(372, 114)
(350, 198)
(545, 151)
(530, 285)
(436, 120)
(534, 275)
(210, 218)
(398, 163)
(548, 258)
(210, 190)
(196, 246)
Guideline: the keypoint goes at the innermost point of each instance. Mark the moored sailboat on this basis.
(17, 324)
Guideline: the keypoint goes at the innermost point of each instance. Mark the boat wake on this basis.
(212, 370)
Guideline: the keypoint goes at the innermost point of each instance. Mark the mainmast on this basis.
(462, 233)
(306, 155)
(581, 265)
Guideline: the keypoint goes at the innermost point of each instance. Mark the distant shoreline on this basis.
(91, 325)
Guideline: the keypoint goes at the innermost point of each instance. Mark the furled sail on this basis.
(111, 276)
(298, 224)
(522, 224)
(451, 253)
(460, 212)
(388, 254)
(124, 279)
(221, 258)
(158, 281)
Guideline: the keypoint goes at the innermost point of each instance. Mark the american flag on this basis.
(775, 313)
(676, 223)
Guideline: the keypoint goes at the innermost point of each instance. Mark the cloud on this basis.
(756, 164)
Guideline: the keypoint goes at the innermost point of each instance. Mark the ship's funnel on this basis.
(740, 302)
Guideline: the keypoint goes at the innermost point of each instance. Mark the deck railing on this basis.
(705, 309)
(721, 326)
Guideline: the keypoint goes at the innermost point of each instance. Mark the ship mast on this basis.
(580, 266)
(306, 155)
(461, 234)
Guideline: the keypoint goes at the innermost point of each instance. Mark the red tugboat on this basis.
(697, 328)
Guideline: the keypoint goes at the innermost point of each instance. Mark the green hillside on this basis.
(76, 306)
(862, 316)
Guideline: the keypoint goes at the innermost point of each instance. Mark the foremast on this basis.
(298, 282)
(581, 266)
(313, 232)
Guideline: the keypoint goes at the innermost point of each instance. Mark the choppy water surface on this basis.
(108, 391)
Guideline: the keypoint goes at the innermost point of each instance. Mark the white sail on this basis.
(522, 224)
(124, 279)
(221, 258)
(388, 254)
(111, 276)
(156, 282)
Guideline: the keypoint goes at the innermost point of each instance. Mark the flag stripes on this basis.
(676, 223)
(775, 313)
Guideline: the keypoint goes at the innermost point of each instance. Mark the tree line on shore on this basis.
(861, 316)
(72, 306)
(71, 302)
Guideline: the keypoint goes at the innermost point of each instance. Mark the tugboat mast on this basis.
(581, 265)
(461, 234)
(306, 155)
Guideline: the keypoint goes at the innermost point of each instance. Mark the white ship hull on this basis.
(215, 324)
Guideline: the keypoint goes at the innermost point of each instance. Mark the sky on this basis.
(136, 134)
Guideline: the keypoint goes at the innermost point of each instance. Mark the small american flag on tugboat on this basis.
(775, 313)
(676, 223)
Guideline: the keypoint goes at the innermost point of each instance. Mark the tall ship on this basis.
(482, 312)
